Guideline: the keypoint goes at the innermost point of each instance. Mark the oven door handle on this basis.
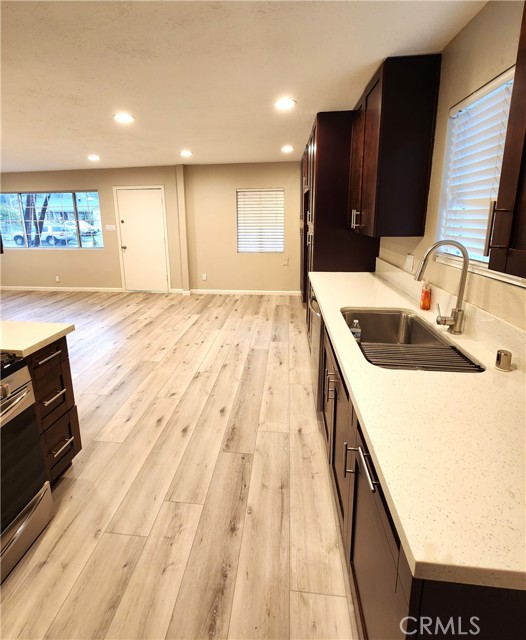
(14, 400)
(29, 511)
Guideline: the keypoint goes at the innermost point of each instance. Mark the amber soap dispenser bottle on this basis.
(425, 296)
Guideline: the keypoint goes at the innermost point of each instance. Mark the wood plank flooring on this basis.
(200, 505)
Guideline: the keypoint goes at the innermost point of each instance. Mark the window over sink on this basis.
(475, 146)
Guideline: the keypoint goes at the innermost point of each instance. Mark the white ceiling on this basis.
(197, 75)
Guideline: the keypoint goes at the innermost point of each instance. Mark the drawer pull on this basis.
(46, 403)
(53, 355)
(367, 472)
(66, 444)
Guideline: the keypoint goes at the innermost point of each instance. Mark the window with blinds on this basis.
(260, 220)
(477, 133)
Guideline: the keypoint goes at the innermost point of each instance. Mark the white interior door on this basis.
(143, 239)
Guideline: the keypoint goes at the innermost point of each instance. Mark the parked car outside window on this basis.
(51, 235)
(85, 228)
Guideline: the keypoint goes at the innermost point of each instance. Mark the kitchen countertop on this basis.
(448, 448)
(24, 338)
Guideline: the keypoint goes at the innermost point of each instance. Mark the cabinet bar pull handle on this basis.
(53, 355)
(328, 390)
(366, 470)
(66, 444)
(46, 403)
(346, 448)
(491, 216)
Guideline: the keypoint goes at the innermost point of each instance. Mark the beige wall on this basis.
(211, 223)
(212, 227)
(99, 268)
(484, 49)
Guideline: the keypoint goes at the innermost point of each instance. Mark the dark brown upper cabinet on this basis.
(508, 239)
(392, 147)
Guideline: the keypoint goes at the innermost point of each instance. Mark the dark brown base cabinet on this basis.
(55, 407)
(389, 602)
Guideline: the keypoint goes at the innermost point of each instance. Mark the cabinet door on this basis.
(341, 438)
(371, 139)
(508, 240)
(356, 166)
(373, 558)
(330, 380)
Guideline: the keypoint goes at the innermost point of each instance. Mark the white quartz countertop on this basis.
(449, 448)
(24, 338)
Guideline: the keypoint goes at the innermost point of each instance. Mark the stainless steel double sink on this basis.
(399, 339)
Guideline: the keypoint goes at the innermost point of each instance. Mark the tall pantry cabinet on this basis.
(327, 244)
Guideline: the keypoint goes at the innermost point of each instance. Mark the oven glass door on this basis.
(22, 463)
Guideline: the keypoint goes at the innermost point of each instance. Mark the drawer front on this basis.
(62, 442)
(54, 394)
(46, 358)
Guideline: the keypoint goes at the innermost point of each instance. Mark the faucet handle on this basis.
(439, 315)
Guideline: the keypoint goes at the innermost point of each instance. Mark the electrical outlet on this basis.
(57, 278)
(285, 262)
(409, 262)
(203, 277)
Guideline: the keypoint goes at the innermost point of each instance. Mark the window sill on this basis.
(481, 269)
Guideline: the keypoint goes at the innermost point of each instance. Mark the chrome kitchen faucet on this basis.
(455, 321)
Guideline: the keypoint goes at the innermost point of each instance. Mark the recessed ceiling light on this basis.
(288, 148)
(186, 153)
(285, 104)
(93, 157)
(123, 118)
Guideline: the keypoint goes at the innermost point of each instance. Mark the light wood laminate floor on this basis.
(200, 505)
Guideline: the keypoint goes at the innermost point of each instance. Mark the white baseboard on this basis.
(24, 288)
(246, 292)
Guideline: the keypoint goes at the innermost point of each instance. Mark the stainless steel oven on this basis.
(26, 502)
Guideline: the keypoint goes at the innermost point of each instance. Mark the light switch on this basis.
(110, 227)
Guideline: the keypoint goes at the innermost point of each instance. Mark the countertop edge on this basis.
(25, 347)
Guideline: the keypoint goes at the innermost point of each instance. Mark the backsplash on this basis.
(480, 327)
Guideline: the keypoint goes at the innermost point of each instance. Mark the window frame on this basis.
(443, 221)
(449, 258)
(80, 238)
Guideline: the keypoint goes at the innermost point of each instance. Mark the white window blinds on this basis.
(477, 133)
(260, 220)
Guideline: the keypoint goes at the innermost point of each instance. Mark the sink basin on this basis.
(392, 326)
(399, 339)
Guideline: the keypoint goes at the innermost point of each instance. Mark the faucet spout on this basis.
(455, 321)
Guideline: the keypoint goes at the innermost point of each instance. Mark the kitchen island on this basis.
(448, 449)
(44, 347)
